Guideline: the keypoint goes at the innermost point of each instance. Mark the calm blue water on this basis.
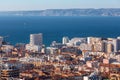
(54, 28)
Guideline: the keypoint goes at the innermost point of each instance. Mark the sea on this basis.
(16, 29)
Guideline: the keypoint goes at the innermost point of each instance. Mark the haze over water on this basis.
(18, 28)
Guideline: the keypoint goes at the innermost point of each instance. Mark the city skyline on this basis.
(19, 5)
(91, 58)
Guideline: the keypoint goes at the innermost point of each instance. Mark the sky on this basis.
(17, 5)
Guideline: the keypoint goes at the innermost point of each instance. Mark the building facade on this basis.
(36, 43)
(65, 40)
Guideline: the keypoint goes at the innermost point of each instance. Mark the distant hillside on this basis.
(66, 12)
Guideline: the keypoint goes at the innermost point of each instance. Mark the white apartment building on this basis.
(35, 44)
(36, 39)
(65, 40)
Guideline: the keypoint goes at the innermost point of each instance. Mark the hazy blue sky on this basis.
(55, 4)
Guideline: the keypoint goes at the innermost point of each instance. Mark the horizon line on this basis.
(54, 9)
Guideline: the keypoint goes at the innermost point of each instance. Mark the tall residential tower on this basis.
(65, 40)
(36, 39)
(35, 44)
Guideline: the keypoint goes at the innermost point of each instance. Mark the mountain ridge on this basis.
(66, 12)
